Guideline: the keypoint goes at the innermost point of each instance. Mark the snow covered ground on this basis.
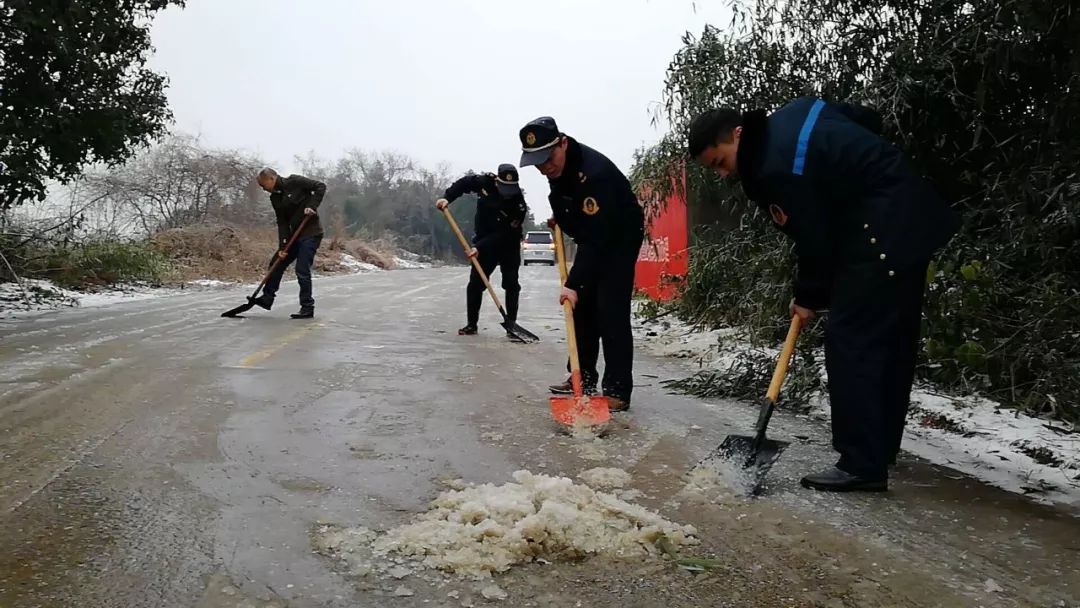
(29, 297)
(356, 266)
(979, 437)
(409, 260)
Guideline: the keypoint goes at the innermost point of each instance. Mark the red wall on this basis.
(662, 262)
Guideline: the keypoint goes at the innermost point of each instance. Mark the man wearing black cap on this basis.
(592, 201)
(500, 213)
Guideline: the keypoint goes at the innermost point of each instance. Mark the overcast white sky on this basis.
(439, 80)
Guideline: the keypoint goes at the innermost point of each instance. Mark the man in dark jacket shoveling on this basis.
(293, 198)
(500, 213)
(865, 226)
(593, 202)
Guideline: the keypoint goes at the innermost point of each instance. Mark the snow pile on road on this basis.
(1003, 447)
(355, 265)
(604, 478)
(718, 478)
(488, 528)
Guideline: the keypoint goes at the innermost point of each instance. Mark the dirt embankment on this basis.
(237, 253)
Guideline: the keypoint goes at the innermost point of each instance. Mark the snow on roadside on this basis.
(211, 283)
(1006, 448)
(409, 264)
(409, 260)
(356, 266)
(46, 296)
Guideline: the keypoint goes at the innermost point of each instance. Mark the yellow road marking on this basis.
(264, 354)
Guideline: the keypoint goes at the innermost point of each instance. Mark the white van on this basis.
(538, 246)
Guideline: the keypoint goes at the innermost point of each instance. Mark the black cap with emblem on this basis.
(506, 180)
(538, 138)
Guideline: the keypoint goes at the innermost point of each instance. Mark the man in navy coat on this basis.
(865, 227)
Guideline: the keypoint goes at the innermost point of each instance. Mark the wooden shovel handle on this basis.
(475, 262)
(277, 258)
(568, 316)
(785, 359)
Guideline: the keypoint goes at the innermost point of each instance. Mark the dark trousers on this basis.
(602, 315)
(508, 260)
(871, 345)
(303, 253)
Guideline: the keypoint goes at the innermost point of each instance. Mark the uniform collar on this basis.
(279, 184)
(751, 154)
(574, 159)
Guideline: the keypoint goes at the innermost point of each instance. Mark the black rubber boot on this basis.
(306, 312)
(567, 388)
(616, 404)
(263, 301)
(836, 480)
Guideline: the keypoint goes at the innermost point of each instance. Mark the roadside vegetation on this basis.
(984, 97)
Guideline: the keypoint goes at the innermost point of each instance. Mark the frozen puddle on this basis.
(481, 530)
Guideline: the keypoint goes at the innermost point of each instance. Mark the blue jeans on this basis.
(303, 253)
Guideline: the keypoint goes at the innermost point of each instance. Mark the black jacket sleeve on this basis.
(468, 184)
(282, 225)
(316, 188)
(813, 281)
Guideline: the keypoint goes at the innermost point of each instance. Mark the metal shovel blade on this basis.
(571, 410)
(738, 451)
(519, 333)
(236, 312)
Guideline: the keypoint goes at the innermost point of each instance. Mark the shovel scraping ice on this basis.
(578, 408)
(756, 454)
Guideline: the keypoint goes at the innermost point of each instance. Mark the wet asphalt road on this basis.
(155, 454)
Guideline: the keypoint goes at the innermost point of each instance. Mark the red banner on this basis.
(663, 260)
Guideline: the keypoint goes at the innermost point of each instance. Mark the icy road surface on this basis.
(155, 454)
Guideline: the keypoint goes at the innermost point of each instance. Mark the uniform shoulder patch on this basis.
(590, 206)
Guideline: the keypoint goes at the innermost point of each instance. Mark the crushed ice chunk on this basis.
(494, 592)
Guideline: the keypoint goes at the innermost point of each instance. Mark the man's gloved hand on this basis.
(551, 223)
(441, 204)
(309, 211)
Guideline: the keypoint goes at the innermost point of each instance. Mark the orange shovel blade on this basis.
(570, 410)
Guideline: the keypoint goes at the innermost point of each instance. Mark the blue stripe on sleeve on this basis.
(804, 137)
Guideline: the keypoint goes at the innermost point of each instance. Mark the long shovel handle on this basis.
(277, 258)
(785, 359)
(475, 262)
(568, 315)
(766, 411)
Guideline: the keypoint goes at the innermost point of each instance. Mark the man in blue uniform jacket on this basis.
(865, 226)
(592, 201)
